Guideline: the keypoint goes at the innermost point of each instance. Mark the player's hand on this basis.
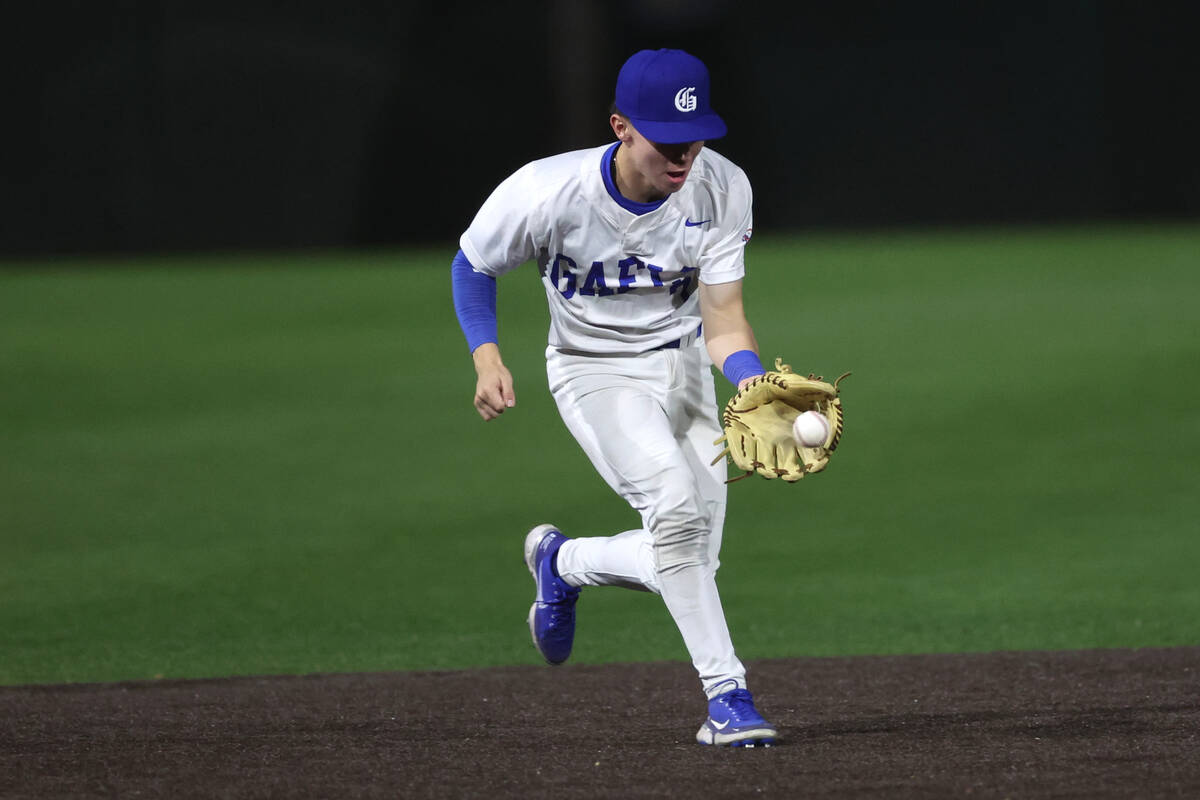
(494, 383)
(494, 391)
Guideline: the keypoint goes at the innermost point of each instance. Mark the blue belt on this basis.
(674, 345)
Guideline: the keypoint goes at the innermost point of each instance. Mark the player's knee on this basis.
(681, 535)
(673, 558)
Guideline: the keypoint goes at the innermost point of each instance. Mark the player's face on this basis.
(646, 170)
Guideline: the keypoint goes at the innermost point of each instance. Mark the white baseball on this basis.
(811, 429)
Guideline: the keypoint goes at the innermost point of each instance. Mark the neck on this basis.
(626, 179)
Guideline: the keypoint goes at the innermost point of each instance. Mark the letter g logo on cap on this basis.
(685, 99)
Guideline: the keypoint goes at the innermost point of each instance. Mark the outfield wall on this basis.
(152, 126)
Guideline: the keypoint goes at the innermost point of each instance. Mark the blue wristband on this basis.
(741, 365)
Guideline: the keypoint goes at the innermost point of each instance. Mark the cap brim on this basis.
(703, 128)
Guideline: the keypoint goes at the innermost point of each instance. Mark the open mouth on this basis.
(677, 175)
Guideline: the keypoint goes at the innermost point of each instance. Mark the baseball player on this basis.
(639, 244)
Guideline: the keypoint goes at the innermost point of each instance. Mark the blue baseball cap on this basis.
(665, 94)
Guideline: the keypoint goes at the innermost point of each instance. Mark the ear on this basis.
(621, 128)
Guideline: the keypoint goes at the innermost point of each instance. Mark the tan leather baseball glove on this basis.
(758, 424)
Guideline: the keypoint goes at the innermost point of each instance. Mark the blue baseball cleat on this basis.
(733, 721)
(552, 615)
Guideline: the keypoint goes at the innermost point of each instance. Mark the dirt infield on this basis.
(1113, 723)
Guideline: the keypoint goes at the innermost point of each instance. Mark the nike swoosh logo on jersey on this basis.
(720, 725)
(688, 222)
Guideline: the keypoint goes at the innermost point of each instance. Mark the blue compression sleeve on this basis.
(741, 365)
(474, 302)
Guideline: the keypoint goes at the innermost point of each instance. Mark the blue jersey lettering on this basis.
(655, 274)
(594, 283)
(631, 273)
(568, 267)
(629, 267)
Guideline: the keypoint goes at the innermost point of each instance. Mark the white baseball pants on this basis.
(648, 422)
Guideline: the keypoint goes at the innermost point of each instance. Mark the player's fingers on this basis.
(507, 395)
(488, 406)
(489, 398)
(482, 405)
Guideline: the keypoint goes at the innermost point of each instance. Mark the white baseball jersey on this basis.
(617, 282)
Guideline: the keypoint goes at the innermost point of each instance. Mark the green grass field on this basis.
(270, 464)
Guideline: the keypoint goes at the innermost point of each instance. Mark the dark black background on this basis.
(143, 126)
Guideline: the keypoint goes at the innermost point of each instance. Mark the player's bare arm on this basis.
(726, 329)
(494, 383)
